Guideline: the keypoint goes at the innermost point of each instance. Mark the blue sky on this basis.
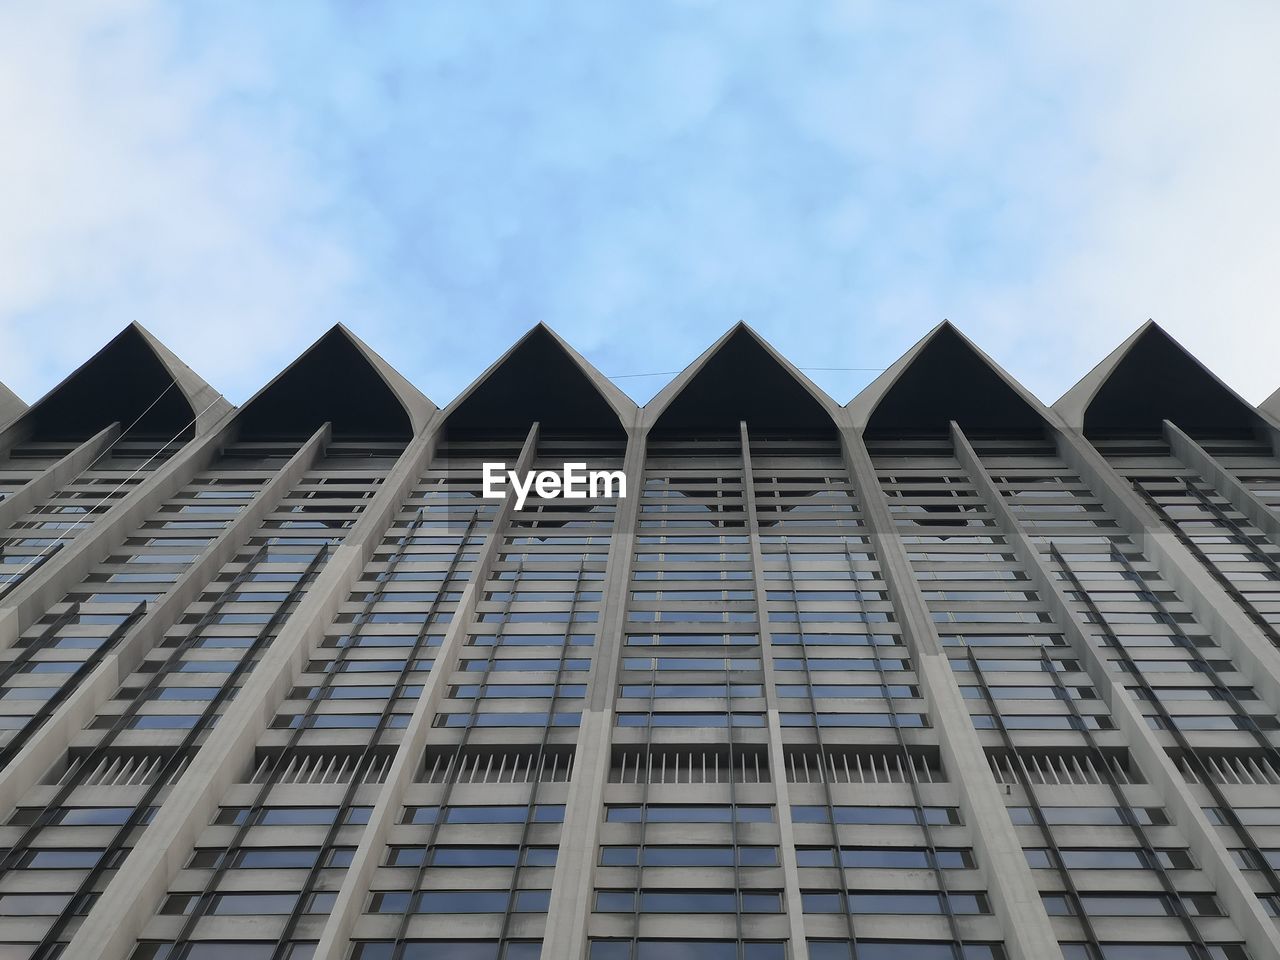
(440, 176)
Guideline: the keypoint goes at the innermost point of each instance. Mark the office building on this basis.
(942, 674)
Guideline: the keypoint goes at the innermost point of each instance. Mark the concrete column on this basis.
(412, 746)
(1015, 898)
(1252, 653)
(1223, 481)
(49, 744)
(56, 476)
(48, 584)
(131, 899)
(1231, 885)
(777, 758)
(574, 878)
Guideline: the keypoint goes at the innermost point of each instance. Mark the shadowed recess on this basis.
(123, 381)
(949, 380)
(333, 381)
(539, 381)
(743, 381)
(1158, 380)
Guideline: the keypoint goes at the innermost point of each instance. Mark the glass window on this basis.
(34, 904)
(474, 856)
(462, 901)
(213, 950)
(251, 904)
(298, 858)
(1128, 905)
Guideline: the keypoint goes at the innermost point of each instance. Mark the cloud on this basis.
(440, 176)
(1179, 204)
(139, 189)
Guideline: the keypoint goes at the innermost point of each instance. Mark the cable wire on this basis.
(17, 577)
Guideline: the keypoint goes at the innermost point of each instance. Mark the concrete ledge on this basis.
(1252, 653)
(56, 476)
(391, 794)
(131, 899)
(1223, 481)
(573, 880)
(49, 743)
(1015, 898)
(68, 567)
(1215, 860)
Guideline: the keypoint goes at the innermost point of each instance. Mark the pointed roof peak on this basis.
(541, 378)
(339, 379)
(134, 380)
(340, 332)
(945, 376)
(1150, 378)
(539, 329)
(741, 377)
(1151, 328)
(622, 404)
(203, 397)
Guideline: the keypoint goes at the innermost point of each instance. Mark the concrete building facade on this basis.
(942, 674)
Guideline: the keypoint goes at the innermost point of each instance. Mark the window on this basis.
(252, 904)
(902, 950)
(803, 813)
(689, 856)
(461, 901)
(475, 856)
(34, 904)
(1249, 816)
(290, 816)
(1090, 816)
(214, 950)
(888, 858)
(257, 858)
(542, 813)
(447, 950)
(57, 859)
(79, 816)
(686, 950)
(701, 813)
(1153, 951)
(693, 900)
(911, 902)
(1117, 859)
(1132, 905)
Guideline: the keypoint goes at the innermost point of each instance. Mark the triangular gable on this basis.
(741, 377)
(337, 380)
(1148, 379)
(540, 378)
(945, 377)
(135, 381)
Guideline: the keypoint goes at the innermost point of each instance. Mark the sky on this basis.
(441, 176)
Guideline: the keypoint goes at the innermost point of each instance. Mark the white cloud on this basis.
(1177, 210)
(1048, 176)
(133, 193)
